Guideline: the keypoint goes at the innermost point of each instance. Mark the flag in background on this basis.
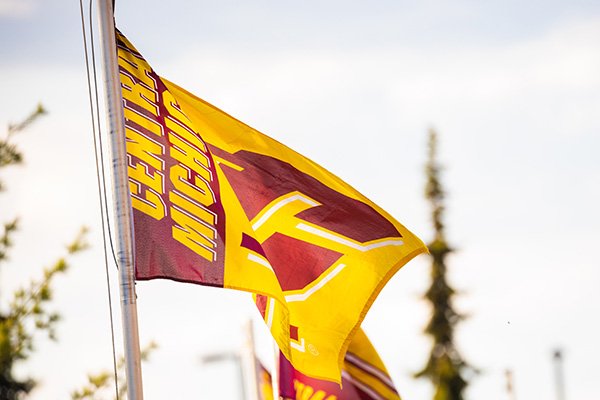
(217, 203)
(265, 385)
(364, 377)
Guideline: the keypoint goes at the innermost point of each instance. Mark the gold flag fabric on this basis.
(218, 203)
(265, 385)
(364, 377)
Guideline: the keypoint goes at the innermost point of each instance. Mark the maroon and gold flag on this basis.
(265, 385)
(218, 203)
(364, 377)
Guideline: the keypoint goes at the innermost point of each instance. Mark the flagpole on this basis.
(122, 201)
(558, 374)
(276, 371)
(248, 361)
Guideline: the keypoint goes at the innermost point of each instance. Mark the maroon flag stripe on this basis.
(361, 386)
(370, 369)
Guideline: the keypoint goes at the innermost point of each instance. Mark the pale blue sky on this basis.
(512, 86)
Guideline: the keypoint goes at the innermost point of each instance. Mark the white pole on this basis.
(276, 371)
(122, 201)
(237, 359)
(249, 366)
(558, 375)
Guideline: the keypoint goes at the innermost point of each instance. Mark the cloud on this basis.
(16, 8)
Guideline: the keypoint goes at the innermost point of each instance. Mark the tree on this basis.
(445, 367)
(27, 311)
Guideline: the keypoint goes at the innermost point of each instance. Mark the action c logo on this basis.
(280, 218)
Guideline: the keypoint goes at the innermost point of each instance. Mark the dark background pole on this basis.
(558, 374)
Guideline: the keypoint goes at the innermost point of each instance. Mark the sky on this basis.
(512, 87)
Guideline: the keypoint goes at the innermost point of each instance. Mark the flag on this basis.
(364, 377)
(265, 386)
(218, 203)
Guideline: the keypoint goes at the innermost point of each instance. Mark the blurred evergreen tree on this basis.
(445, 367)
(26, 312)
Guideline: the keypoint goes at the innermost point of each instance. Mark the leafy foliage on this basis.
(5, 239)
(27, 312)
(9, 153)
(445, 367)
(100, 385)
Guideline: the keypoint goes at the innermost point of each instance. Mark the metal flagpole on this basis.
(122, 201)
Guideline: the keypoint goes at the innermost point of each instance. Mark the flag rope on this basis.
(100, 145)
(100, 173)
